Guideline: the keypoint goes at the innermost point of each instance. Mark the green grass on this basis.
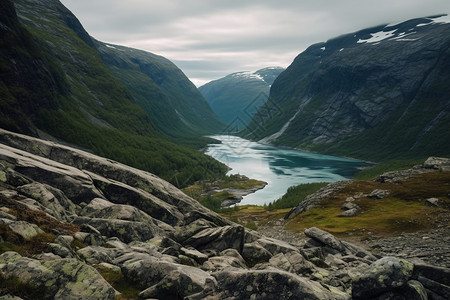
(403, 211)
(391, 165)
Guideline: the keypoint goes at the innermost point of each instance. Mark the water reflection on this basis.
(279, 167)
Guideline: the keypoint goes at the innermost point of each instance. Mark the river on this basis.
(279, 167)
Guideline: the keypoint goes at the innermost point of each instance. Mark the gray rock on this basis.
(432, 202)
(269, 283)
(379, 194)
(25, 229)
(219, 238)
(437, 163)
(292, 262)
(276, 246)
(382, 276)
(75, 184)
(218, 263)
(162, 279)
(15, 178)
(95, 205)
(58, 279)
(325, 238)
(435, 273)
(57, 204)
(196, 255)
(349, 213)
(94, 255)
(349, 205)
(126, 231)
(7, 216)
(255, 253)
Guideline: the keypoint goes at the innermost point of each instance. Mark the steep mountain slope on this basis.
(378, 93)
(236, 97)
(173, 102)
(54, 82)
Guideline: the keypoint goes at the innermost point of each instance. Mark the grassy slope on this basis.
(403, 211)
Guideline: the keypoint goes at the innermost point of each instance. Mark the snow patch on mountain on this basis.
(378, 37)
(248, 75)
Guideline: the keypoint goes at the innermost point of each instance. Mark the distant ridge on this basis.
(236, 97)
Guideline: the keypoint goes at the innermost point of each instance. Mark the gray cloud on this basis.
(209, 39)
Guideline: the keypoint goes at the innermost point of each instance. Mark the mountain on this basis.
(378, 93)
(173, 102)
(236, 97)
(77, 226)
(135, 107)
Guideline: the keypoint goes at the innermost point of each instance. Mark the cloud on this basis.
(210, 39)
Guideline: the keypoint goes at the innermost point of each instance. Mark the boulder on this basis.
(161, 279)
(349, 213)
(269, 283)
(218, 263)
(432, 202)
(218, 239)
(75, 184)
(57, 279)
(292, 262)
(325, 238)
(126, 231)
(276, 246)
(57, 204)
(349, 205)
(255, 253)
(384, 275)
(378, 194)
(25, 230)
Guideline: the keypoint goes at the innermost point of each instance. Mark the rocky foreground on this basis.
(77, 226)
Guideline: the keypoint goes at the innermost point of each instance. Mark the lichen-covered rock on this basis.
(269, 283)
(255, 253)
(57, 279)
(162, 279)
(25, 229)
(126, 231)
(218, 239)
(57, 204)
(384, 275)
(292, 262)
(276, 246)
(325, 238)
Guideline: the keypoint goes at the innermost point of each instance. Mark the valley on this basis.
(121, 179)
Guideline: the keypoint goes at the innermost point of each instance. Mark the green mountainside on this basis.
(54, 81)
(173, 102)
(236, 97)
(377, 94)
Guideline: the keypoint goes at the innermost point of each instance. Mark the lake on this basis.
(279, 167)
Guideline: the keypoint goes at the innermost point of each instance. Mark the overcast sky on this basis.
(209, 39)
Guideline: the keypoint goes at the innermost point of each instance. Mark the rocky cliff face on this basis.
(377, 93)
(235, 98)
(74, 225)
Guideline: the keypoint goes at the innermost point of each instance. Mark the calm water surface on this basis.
(280, 168)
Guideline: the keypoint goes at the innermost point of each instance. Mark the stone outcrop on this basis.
(78, 220)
